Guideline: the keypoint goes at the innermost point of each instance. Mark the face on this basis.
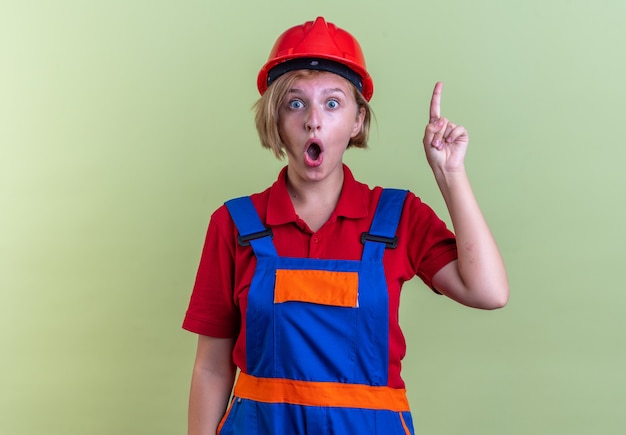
(316, 121)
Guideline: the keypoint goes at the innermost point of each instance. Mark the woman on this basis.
(299, 286)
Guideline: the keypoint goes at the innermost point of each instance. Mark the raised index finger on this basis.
(435, 103)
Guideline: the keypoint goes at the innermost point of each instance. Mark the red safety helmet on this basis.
(317, 45)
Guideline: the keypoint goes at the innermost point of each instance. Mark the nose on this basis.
(313, 119)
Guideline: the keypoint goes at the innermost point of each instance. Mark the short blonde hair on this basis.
(267, 113)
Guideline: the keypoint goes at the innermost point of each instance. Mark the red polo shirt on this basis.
(218, 301)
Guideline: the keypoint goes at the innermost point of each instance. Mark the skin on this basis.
(478, 278)
(322, 109)
(211, 384)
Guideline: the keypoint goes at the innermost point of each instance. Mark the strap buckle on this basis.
(390, 242)
(245, 240)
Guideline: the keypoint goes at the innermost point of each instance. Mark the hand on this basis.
(445, 143)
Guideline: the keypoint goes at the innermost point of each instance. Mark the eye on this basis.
(295, 104)
(332, 104)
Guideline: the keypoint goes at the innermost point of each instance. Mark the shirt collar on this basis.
(352, 204)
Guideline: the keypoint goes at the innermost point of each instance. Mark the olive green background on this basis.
(124, 124)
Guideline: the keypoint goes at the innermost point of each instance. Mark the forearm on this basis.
(211, 386)
(478, 278)
(208, 401)
(480, 265)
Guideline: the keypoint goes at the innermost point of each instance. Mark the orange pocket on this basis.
(321, 287)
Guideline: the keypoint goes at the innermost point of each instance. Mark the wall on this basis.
(124, 124)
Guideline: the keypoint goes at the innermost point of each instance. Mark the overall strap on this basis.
(251, 229)
(382, 233)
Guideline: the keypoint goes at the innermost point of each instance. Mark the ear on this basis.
(358, 122)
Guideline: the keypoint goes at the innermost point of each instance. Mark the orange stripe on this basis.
(317, 286)
(406, 428)
(225, 416)
(307, 393)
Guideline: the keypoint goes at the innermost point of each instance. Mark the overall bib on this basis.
(317, 335)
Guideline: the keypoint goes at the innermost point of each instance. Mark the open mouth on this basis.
(314, 151)
(313, 154)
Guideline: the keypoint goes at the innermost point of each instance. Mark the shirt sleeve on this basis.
(432, 244)
(212, 310)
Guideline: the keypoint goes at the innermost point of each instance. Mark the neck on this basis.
(315, 201)
(323, 191)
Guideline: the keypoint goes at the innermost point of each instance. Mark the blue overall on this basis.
(317, 334)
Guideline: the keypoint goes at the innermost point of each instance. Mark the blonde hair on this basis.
(267, 117)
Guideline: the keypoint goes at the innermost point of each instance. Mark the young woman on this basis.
(298, 286)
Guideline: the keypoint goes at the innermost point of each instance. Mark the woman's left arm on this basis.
(478, 277)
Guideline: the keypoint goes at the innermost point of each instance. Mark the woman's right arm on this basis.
(211, 384)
